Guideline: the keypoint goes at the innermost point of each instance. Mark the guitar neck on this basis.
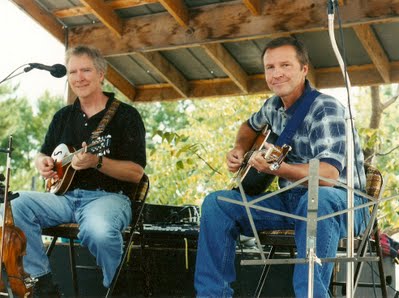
(68, 159)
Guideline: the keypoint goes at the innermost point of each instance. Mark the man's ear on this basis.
(305, 69)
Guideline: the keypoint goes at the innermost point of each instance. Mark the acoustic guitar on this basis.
(254, 182)
(62, 156)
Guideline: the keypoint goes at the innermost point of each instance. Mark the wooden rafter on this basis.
(254, 6)
(120, 83)
(166, 70)
(374, 49)
(312, 75)
(106, 15)
(178, 9)
(227, 63)
(326, 78)
(147, 34)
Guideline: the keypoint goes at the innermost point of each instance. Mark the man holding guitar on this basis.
(313, 125)
(84, 186)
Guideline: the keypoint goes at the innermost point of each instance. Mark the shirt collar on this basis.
(110, 95)
(291, 110)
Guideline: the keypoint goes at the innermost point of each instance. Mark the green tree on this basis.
(380, 143)
(187, 162)
(27, 127)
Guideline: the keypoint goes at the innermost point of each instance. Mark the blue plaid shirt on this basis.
(321, 135)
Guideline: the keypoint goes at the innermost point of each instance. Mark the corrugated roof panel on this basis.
(248, 54)
(52, 5)
(388, 35)
(194, 63)
(140, 10)
(134, 70)
(322, 54)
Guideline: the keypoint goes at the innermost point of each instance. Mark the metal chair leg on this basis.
(51, 246)
(72, 262)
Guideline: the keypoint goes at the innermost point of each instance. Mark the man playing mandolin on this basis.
(95, 193)
(318, 133)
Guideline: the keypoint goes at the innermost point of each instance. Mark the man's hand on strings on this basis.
(45, 166)
(260, 159)
(84, 160)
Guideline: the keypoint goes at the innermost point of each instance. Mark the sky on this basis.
(24, 41)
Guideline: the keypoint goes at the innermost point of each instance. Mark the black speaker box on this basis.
(89, 280)
(163, 272)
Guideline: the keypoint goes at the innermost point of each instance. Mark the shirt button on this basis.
(85, 124)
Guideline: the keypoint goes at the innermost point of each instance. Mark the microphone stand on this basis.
(12, 75)
(350, 154)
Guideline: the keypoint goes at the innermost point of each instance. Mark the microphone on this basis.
(56, 70)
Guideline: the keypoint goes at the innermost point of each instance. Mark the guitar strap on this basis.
(293, 124)
(106, 119)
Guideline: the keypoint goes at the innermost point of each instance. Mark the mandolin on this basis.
(62, 156)
(254, 182)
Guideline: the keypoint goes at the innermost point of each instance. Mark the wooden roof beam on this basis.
(228, 64)
(312, 77)
(254, 6)
(327, 78)
(147, 34)
(165, 69)
(116, 4)
(106, 15)
(179, 10)
(374, 49)
(120, 83)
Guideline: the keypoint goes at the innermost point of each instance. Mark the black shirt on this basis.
(71, 126)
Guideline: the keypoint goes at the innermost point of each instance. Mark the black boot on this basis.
(45, 287)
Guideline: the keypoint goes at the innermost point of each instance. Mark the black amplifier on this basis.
(170, 226)
(183, 229)
(183, 235)
(170, 214)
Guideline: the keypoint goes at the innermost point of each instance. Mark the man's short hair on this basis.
(301, 51)
(98, 60)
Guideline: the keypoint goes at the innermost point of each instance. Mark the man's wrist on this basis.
(99, 163)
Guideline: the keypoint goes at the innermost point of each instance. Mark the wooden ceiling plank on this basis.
(45, 19)
(361, 75)
(165, 69)
(179, 10)
(120, 83)
(116, 4)
(158, 32)
(254, 6)
(228, 64)
(374, 49)
(328, 78)
(106, 15)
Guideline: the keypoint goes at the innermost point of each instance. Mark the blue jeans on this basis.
(101, 216)
(222, 222)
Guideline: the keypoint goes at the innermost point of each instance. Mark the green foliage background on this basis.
(187, 142)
